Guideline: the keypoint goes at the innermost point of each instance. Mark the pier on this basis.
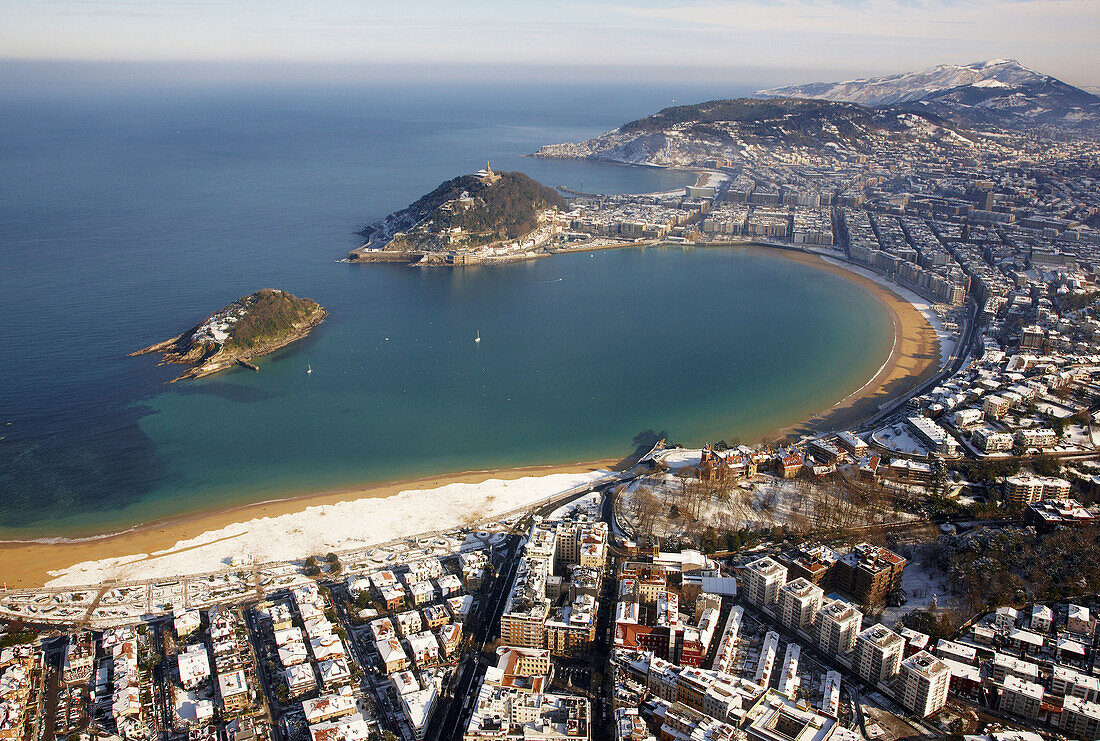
(364, 254)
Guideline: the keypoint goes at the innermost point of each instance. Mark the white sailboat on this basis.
(309, 368)
(478, 338)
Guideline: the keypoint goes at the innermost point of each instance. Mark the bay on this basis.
(125, 218)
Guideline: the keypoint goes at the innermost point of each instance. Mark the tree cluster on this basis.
(270, 314)
(988, 568)
(507, 209)
(938, 624)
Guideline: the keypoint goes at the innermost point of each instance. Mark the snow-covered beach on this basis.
(291, 529)
(336, 527)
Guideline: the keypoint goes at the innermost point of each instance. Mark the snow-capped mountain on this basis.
(893, 89)
(743, 130)
(1000, 92)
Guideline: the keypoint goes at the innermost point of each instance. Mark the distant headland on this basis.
(485, 215)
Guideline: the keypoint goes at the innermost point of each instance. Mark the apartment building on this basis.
(1021, 490)
(762, 580)
(869, 573)
(1069, 682)
(878, 653)
(838, 625)
(798, 604)
(1020, 697)
(925, 680)
(1080, 719)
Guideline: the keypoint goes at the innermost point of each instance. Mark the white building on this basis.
(762, 579)
(300, 678)
(765, 665)
(990, 441)
(424, 648)
(926, 680)
(194, 666)
(1079, 620)
(418, 707)
(838, 625)
(878, 653)
(937, 438)
(1069, 682)
(1042, 617)
(995, 407)
(799, 602)
(1006, 618)
(788, 678)
(1080, 719)
(1020, 697)
(233, 688)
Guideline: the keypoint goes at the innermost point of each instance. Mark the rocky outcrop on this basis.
(248, 328)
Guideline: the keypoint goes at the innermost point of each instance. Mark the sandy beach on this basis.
(204, 541)
(29, 564)
(914, 358)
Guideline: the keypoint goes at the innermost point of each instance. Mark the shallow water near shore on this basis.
(125, 220)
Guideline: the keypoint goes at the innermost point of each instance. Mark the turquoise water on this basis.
(125, 219)
(578, 355)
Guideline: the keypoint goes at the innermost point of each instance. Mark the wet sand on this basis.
(914, 358)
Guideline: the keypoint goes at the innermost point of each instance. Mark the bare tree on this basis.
(645, 509)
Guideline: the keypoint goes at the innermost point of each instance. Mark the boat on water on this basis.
(478, 338)
(309, 368)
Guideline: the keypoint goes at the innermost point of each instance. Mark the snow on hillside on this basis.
(910, 86)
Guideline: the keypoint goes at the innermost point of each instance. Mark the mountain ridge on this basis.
(905, 87)
(741, 129)
(999, 92)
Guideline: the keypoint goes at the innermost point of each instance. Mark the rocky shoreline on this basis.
(209, 356)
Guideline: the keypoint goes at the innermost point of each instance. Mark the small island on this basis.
(250, 327)
(485, 217)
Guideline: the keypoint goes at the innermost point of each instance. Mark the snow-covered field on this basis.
(338, 527)
(765, 501)
(900, 439)
(922, 581)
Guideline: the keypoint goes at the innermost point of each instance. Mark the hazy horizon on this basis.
(760, 42)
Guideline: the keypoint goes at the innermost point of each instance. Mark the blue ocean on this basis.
(128, 215)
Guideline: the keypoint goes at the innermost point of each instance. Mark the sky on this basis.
(763, 41)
